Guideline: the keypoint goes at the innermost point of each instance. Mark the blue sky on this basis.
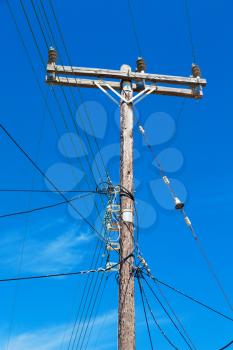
(197, 145)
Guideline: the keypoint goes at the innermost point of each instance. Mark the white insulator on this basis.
(166, 181)
(178, 203)
(142, 131)
(187, 221)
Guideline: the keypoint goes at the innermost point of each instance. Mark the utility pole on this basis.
(126, 314)
(127, 83)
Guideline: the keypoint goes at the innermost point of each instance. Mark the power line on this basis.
(191, 298)
(81, 98)
(43, 207)
(82, 272)
(156, 322)
(186, 218)
(144, 310)
(47, 178)
(134, 27)
(52, 191)
(97, 310)
(167, 313)
(145, 266)
(190, 32)
(227, 346)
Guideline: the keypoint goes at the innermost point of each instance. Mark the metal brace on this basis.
(142, 94)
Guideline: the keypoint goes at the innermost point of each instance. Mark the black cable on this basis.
(86, 322)
(28, 278)
(173, 312)
(97, 310)
(42, 208)
(167, 313)
(82, 272)
(30, 61)
(157, 323)
(192, 299)
(48, 179)
(53, 92)
(133, 22)
(189, 22)
(51, 191)
(144, 310)
(81, 312)
(227, 346)
(79, 91)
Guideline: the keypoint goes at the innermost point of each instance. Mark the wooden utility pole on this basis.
(127, 83)
(126, 315)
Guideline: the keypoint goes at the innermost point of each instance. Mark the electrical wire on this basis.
(190, 298)
(96, 313)
(51, 191)
(53, 92)
(156, 322)
(36, 45)
(81, 98)
(144, 310)
(148, 273)
(82, 314)
(43, 207)
(167, 313)
(47, 178)
(82, 272)
(227, 346)
(134, 27)
(25, 234)
(190, 33)
(87, 320)
(186, 219)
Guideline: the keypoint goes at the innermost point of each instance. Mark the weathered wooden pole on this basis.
(126, 314)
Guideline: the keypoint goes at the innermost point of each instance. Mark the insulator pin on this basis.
(52, 55)
(166, 181)
(196, 72)
(141, 66)
(178, 204)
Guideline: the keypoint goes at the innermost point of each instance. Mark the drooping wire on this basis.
(47, 178)
(186, 219)
(87, 320)
(96, 313)
(65, 274)
(168, 315)
(190, 298)
(148, 273)
(18, 30)
(156, 322)
(82, 313)
(26, 229)
(227, 345)
(50, 191)
(144, 310)
(79, 91)
(29, 211)
(53, 91)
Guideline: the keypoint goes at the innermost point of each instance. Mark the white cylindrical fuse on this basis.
(187, 221)
(166, 181)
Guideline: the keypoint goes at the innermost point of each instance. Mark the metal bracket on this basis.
(142, 94)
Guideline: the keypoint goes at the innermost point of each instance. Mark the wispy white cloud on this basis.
(51, 338)
(55, 248)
